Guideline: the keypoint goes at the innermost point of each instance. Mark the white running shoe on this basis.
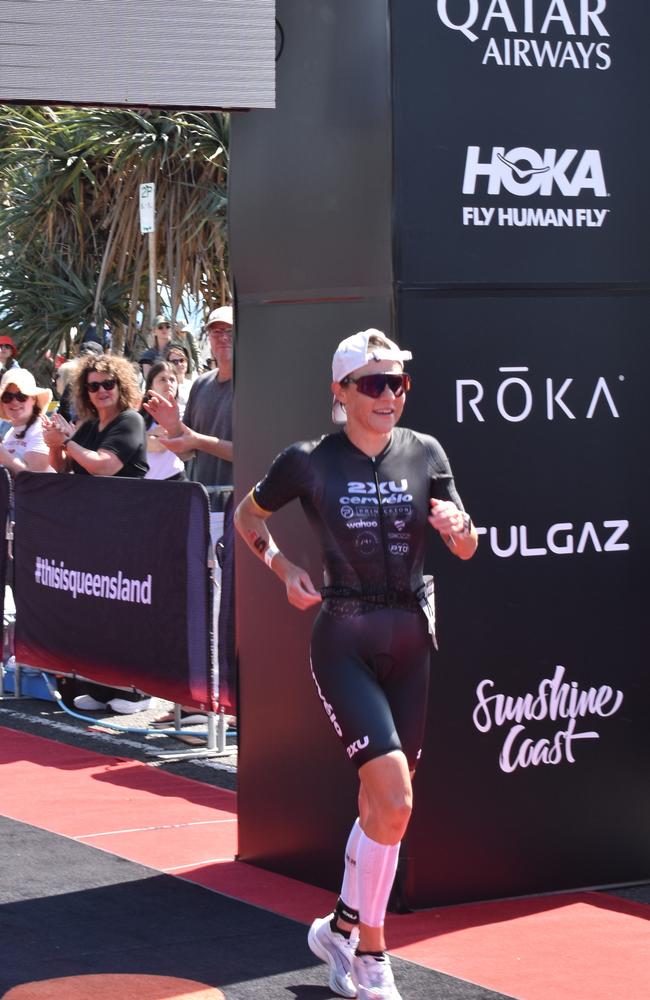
(373, 978)
(124, 707)
(87, 703)
(337, 951)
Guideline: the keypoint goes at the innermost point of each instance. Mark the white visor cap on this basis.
(354, 352)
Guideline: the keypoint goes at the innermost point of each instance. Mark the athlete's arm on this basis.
(450, 522)
(250, 521)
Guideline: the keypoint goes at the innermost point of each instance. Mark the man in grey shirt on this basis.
(206, 430)
(206, 427)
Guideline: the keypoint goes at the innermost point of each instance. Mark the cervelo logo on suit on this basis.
(533, 34)
(530, 173)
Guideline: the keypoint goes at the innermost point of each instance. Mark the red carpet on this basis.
(583, 946)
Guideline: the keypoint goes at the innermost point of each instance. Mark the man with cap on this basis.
(372, 492)
(206, 427)
(206, 430)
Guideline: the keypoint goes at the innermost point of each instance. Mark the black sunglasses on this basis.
(374, 385)
(7, 396)
(164, 326)
(108, 384)
(177, 361)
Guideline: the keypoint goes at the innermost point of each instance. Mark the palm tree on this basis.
(71, 251)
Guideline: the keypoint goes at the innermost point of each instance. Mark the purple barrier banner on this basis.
(112, 583)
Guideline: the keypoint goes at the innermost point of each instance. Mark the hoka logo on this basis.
(525, 172)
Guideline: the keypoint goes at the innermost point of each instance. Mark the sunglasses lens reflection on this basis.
(374, 385)
(107, 384)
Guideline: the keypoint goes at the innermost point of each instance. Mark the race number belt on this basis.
(409, 600)
(386, 598)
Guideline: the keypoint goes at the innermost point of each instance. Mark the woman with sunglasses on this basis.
(371, 492)
(111, 438)
(22, 403)
(161, 335)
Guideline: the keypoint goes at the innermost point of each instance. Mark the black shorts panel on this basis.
(372, 675)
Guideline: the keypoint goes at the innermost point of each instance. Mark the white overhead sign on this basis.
(205, 54)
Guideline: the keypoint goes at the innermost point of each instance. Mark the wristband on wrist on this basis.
(271, 551)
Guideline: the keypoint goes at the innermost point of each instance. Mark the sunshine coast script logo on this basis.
(562, 703)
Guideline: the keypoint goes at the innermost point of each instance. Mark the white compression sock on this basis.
(349, 888)
(376, 867)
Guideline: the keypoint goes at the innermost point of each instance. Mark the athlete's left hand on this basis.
(446, 518)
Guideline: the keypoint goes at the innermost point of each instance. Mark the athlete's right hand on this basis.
(301, 592)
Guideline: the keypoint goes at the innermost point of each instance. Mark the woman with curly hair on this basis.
(110, 439)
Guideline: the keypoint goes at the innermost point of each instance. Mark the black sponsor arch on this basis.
(529, 344)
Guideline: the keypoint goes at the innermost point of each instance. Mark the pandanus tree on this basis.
(71, 251)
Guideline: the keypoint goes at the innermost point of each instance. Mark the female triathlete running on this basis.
(369, 491)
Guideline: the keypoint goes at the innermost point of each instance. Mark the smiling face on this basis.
(372, 416)
(18, 412)
(105, 401)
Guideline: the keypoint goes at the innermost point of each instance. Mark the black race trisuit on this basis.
(370, 644)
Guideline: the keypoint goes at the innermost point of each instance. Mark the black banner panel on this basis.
(534, 776)
(112, 582)
(331, 162)
(520, 153)
(519, 270)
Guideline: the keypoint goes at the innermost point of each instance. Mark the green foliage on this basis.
(70, 245)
